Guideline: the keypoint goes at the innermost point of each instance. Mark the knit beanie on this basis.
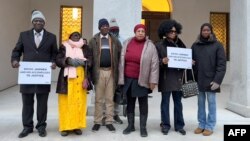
(102, 22)
(139, 26)
(37, 14)
(113, 24)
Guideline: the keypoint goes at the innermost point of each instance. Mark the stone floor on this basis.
(10, 121)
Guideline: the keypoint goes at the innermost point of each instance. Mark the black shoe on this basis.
(129, 129)
(110, 127)
(164, 130)
(181, 131)
(144, 132)
(117, 119)
(103, 121)
(42, 132)
(25, 133)
(77, 131)
(96, 127)
(64, 133)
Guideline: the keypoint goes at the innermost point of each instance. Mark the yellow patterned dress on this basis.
(73, 106)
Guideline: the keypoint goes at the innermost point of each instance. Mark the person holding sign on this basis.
(170, 80)
(72, 58)
(209, 68)
(36, 45)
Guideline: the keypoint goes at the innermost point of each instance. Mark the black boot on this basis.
(131, 121)
(143, 122)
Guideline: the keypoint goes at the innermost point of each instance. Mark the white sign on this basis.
(34, 73)
(179, 57)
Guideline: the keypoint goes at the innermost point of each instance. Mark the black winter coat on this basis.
(210, 63)
(62, 83)
(170, 79)
(46, 52)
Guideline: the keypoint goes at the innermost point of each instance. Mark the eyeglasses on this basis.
(173, 31)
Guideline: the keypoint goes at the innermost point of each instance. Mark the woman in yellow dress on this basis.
(72, 58)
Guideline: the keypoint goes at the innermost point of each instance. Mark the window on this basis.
(70, 21)
(220, 23)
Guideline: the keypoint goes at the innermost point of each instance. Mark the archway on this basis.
(153, 13)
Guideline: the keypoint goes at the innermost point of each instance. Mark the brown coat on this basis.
(94, 45)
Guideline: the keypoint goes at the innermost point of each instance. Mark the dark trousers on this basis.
(28, 110)
(178, 115)
(143, 103)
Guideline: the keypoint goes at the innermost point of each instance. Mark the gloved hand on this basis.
(214, 85)
(75, 62)
(80, 62)
(15, 64)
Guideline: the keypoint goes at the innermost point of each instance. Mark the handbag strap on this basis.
(85, 69)
(185, 75)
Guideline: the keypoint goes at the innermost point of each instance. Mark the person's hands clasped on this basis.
(214, 85)
(75, 62)
(15, 64)
(165, 60)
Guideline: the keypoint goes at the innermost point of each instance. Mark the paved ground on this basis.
(10, 121)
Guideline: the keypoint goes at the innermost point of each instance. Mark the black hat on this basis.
(102, 22)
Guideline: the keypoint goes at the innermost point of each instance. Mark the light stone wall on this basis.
(14, 19)
(126, 12)
(239, 100)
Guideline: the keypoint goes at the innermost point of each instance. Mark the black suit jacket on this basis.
(46, 52)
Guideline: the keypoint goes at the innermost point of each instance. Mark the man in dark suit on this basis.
(36, 45)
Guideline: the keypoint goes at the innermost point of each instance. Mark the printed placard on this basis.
(34, 73)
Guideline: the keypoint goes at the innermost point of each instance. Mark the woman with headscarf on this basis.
(72, 58)
(209, 62)
(170, 80)
(139, 74)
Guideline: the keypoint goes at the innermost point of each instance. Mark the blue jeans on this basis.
(207, 121)
(178, 115)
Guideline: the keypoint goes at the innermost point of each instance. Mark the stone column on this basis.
(126, 12)
(239, 100)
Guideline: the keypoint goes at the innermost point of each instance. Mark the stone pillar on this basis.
(239, 100)
(127, 14)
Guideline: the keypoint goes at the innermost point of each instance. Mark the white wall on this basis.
(126, 12)
(192, 14)
(14, 19)
(239, 100)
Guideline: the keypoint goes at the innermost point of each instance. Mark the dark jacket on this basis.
(210, 63)
(62, 83)
(170, 79)
(46, 52)
(94, 45)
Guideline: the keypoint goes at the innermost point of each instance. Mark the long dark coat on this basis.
(170, 79)
(210, 63)
(46, 52)
(62, 83)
